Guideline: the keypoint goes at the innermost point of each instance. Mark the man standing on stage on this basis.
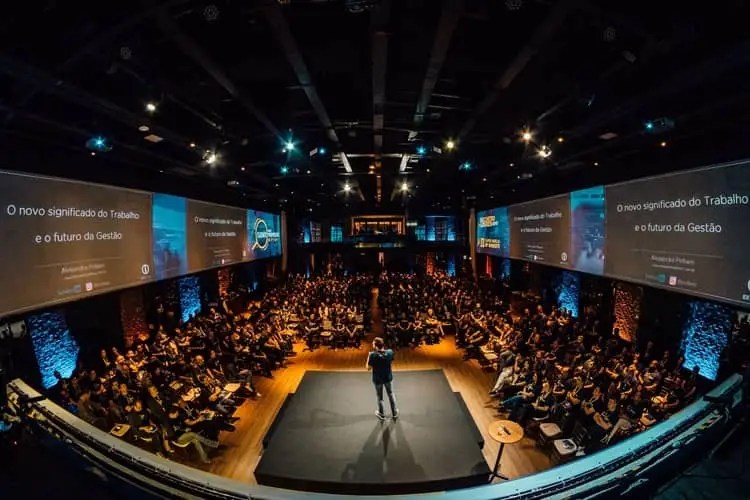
(379, 361)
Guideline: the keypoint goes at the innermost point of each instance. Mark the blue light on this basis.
(289, 146)
(322, 151)
(190, 296)
(465, 166)
(421, 150)
(649, 126)
(568, 291)
(99, 142)
(54, 346)
(705, 335)
(284, 170)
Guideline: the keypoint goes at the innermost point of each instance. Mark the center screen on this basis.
(216, 235)
(263, 235)
(65, 239)
(540, 231)
(688, 231)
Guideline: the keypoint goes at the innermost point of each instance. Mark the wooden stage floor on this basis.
(241, 449)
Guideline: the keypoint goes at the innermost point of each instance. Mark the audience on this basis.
(181, 384)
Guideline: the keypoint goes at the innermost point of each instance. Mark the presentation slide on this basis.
(587, 230)
(216, 235)
(540, 231)
(62, 240)
(687, 231)
(169, 236)
(263, 235)
(493, 232)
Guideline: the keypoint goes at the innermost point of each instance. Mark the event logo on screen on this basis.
(262, 236)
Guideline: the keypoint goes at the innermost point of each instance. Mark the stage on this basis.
(326, 437)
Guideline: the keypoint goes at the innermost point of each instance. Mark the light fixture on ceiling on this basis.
(284, 170)
(309, 172)
(544, 152)
(192, 145)
(450, 144)
(143, 128)
(561, 139)
(242, 168)
(404, 186)
(347, 187)
(596, 163)
(421, 150)
(663, 144)
(151, 107)
(289, 146)
(211, 158)
(526, 135)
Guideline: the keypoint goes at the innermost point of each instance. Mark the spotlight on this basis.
(211, 158)
(284, 170)
(450, 145)
(143, 128)
(404, 187)
(242, 168)
(544, 152)
(347, 187)
(465, 166)
(663, 144)
(649, 126)
(308, 172)
(289, 146)
(100, 144)
(192, 145)
(150, 107)
(526, 136)
(596, 163)
(561, 139)
(421, 150)
(321, 151)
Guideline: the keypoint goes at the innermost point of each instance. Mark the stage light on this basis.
(465, 166)
(150, 107)
(428, 170)
(308, 172)
(99, 142)
(347, 187)
(192, 145)
(544, 152)
(93, 153)
(404, 187)
(284, 170)
(649, 126)
(450, 145)
(211, 158)
(560, 139)
(242, 168)
(484, 179)
(526, 136)
(289, 146)
(321, 151)
(596, 163)
(663, 144)
(143, 128)
(421, 150)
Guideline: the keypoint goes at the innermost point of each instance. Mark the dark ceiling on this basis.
(371, 82)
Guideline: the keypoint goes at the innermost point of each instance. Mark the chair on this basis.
(567, 448)
(551, 430)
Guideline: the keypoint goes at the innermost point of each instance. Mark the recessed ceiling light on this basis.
(192, 144)
(153, 138)
(607, 136)
(93, 153)
(150, 107)
(143, 128)
(243, 169)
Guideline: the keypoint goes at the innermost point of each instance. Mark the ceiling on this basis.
(371, 82)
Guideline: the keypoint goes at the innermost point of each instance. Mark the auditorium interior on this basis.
(213, 213)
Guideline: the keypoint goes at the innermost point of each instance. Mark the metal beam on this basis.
(378, 23)
(541, 35)
(448, 20)
(284, 36)
(191, 49)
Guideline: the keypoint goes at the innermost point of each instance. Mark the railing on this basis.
(621, 469)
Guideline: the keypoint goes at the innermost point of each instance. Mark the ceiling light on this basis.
(242, 168)
(450, 145)
(526, 136)
(512, 165)
(484, 179)
(192, 145)
(596, 163)
(372, 167)
(560, 139)
(544, 152)
(663, 144)
(284, 170)
(150, 107)
(428, 170)
(143, 128)
(211, 158)
(404, 186)
(465, 166)
(607, 136)
(421, 150)
(289, 146)
(321, 151)
(93, 153)
(347, 187)
(153, 138)
(308, 172)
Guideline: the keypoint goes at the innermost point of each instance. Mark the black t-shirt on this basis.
(380, 361)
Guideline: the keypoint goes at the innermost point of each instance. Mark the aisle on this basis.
(240, 450)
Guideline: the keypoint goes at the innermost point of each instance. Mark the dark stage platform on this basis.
(327, 438)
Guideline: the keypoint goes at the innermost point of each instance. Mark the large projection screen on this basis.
(688, 231)
(263, 235)
(216, 235)
(63, 240)
(540, 231)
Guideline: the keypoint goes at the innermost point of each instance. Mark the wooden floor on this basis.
(241, 449)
